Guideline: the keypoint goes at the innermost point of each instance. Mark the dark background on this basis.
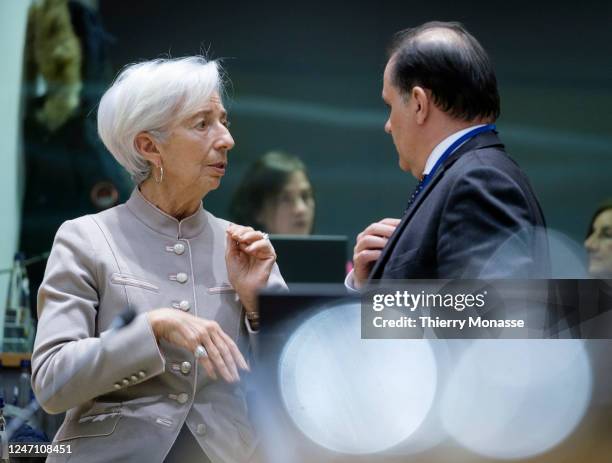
(307, 78)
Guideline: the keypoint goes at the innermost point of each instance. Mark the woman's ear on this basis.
(422, 102)
(146, 145)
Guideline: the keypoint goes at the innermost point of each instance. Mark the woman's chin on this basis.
(600, 271)
(209, 184)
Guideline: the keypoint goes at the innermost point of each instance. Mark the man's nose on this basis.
(388, 126)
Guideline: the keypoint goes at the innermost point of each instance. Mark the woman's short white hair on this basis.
(151, 96)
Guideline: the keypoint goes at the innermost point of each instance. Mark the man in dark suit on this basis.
(473, 214)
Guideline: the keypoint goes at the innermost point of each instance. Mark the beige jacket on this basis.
(127, 397)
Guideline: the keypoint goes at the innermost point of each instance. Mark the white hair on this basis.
(151, 96)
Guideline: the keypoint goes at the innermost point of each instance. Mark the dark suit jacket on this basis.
(477, 218)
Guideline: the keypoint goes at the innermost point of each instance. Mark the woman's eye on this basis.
(285, 199)
(201, 124)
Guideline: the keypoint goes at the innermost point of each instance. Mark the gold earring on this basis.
(161, 175)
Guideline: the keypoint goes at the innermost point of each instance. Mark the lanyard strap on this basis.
(458, 142)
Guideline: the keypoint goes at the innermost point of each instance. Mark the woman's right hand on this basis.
(186, 331)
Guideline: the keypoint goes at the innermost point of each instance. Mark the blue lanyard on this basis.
(463, 138)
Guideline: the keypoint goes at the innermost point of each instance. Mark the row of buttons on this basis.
(181, 277)
(131, 380)
(184, 367)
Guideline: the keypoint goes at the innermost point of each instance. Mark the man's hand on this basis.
(369, 247)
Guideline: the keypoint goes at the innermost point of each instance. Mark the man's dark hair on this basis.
(444, 58)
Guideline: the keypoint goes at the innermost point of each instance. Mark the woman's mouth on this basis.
(218, 168)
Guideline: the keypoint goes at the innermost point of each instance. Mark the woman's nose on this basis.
(225, 140)
(300, 206)
(591, 243)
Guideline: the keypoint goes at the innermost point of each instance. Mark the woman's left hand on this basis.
(249, 257)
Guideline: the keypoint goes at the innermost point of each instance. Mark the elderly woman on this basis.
(276, 196)
(164, 387)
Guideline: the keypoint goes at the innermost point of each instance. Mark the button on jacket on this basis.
(128, 397)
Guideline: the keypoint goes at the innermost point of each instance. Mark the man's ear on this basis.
(421, 103)
(146, 145)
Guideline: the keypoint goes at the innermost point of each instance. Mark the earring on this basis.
(161, 175)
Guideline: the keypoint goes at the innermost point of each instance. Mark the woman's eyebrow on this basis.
(206, 112)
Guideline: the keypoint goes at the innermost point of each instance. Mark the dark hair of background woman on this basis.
(262, 183)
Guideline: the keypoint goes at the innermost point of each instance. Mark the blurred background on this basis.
(306, 78)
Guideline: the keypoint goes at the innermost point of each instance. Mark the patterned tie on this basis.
(416, 192)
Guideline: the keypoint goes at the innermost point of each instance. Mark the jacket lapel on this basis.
(485, 140)
(382, 260)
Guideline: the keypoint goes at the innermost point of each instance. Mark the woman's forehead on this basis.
(215, 99)
(604, 219)
(212, 105)
(297, 180)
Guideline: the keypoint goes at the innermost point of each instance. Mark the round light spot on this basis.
(353, 395)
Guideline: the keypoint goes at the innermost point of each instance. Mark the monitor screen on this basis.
(311, 259)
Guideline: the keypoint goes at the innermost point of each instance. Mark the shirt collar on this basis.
(439, 150)
(158, 220)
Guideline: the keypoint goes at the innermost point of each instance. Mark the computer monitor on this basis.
(311, 259)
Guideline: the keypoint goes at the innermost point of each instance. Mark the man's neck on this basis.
(441, 130)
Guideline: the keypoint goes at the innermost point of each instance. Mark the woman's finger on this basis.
(238, 231)
(226, 353)
(251, 236)
(238, 357)
(262, 248)
(232, 247)
(216, 358)
(208, 366)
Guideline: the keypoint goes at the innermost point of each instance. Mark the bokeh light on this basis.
(512, 399)
(353, 395)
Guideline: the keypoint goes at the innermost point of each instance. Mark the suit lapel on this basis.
(382, 260)
(484, 140)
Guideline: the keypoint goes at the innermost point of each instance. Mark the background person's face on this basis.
(599, 245)
(292, 212)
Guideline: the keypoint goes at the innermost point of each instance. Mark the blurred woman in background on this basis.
(275, 196)
(599, 242)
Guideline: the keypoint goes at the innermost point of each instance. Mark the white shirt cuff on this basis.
(349, 283)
